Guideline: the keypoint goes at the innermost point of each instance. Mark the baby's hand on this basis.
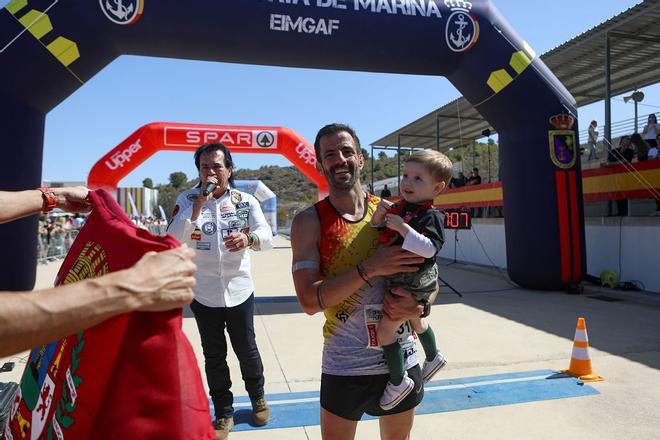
(379, 215)
(395, 222)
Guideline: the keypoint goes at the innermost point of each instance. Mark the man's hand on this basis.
(236, 241)
(400, 305)
(161, 281)
(201, 198)
(388, 260)
(73, 199)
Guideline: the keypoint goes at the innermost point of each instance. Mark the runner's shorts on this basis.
(350, 397)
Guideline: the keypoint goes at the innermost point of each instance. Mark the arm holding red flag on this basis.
(157, 282)
(18, 204)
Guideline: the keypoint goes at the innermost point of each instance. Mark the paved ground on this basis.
(495, 329)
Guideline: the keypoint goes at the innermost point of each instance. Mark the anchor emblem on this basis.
(120, 11)
(462, 31)
(460, 40)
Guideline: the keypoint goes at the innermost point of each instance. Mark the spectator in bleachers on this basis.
(385, 193)
(475, 178)
(651, 131)
(653, 151)
(457, 182)
(641, 147)
(593, 140)
(623, 154)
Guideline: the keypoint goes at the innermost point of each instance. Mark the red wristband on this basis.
(50, 199)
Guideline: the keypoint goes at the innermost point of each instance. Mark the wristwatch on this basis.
(427, 308)
(50, 199)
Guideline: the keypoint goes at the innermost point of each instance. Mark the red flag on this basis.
(133, 376)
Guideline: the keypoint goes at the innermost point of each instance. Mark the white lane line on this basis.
(485, 382)
(427, 389)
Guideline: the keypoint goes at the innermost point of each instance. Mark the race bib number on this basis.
(373, 313)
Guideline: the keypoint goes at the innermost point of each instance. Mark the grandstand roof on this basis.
(578, 63)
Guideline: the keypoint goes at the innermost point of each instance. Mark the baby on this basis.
(418, 227)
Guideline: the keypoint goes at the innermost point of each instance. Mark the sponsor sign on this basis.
(196, 136)
(119, 158)
(306, 154)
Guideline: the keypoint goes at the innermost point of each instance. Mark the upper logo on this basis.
(122, 11)
(462, 30)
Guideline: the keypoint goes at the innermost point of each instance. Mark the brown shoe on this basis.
(260, 411)
(222, 427)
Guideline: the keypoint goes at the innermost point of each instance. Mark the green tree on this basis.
(148, 183)
(178, 179)
(167, 195)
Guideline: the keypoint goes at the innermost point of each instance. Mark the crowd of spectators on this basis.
(641, 146)
(152, 224)
(57, 232)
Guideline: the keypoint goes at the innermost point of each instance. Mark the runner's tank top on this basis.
(349, 327)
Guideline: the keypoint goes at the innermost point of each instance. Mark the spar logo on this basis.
(265, 139)
(118, 159)
(306, 154)
(122, 11)
(231, 138)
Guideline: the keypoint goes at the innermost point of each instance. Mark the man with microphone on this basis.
(221, 223)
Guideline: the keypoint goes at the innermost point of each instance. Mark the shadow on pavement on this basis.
(616, 323)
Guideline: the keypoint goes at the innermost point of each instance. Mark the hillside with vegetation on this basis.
(295, 192)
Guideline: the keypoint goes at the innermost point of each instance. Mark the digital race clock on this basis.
(457, 219)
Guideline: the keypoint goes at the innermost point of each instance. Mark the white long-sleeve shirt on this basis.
(223, 277)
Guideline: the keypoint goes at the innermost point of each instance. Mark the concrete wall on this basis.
(640, 246)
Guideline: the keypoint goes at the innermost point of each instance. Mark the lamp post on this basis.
(486, 133)
(637, 97)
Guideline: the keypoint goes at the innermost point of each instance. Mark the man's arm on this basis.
(181, 225)
(315, 294)
(259, 226)
(18, 204)
(159, 281)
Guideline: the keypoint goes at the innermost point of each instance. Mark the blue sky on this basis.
(133, 91)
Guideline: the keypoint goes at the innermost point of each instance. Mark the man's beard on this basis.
(343, 184)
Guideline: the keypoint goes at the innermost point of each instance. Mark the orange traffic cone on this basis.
(580, 366)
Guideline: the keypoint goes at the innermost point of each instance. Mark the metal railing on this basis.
(54, 246)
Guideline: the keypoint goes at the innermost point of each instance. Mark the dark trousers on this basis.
(239, 320)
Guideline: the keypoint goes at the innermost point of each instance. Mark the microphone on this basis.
(209, 189)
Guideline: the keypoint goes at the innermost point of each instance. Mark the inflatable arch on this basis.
(51, 49)
(168, 136)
